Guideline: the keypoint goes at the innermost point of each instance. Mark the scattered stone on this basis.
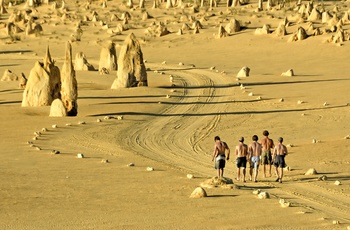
(251, 94)
(149, 169)
(287, 168)
(216, 182)
(300, 102)
(284, 203)
(336, 222)
(263, 195)
(81, 122)
(212, 68)
(9, 76)
(119, 117)
(131, 164)
(108, 117)
(68, 124)
(244, 72)
(256, 191)
(37, 134)
(337, 182)
(80, 155)
(190, 176)
(288, 73)
(44, 129)
(322, 178)
(281, 100)
(290, 145)
(347, 137)
(199, 192)
(325, 104)
(311, 171)
(98, 120)
(104, 161)
(167, 96)
(38, 148)
(55, 152)
(30, 142)
(164, 62)
(35, 138)
(58, 109)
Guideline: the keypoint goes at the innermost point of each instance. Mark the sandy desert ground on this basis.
(174, 134)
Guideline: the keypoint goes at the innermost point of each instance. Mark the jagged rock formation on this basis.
(81, 63)
(43, 85)
(131, 68)
(108, 58)
(69, 88)
(233, 26)
(9, 76)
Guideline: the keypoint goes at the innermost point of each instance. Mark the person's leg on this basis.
(270, 166)
(264, 170)
(276, 172)
(238, 173)
(281, 174)
(218, 172)
(256, 171)
(243, 171)
(222, 173)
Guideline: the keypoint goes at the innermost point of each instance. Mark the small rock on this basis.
(38, 148)
(55, 152)
(38, 134)
(263, 195)
(199, 192)
(35, 138)
(149, 169)
(164, 62)
(190, 176)
(81, 122)
(325, 104)
(311, 171)
(347, 137)
(287, 168)
(314, 141)
(303, 114)
(180, 63)
(104, 161)
(300, 102)
(44, 130)
(281, 100)
(256, 192)
(167, 96)
(30, 142)
(290, 145)
(98, 120)
(259, 98)
(54, 126)
(337, 182)
(173, 90)
(322, 178)
(250, 94)
(68, 124)
(284, 203)
(80, 155)
(119, 117)
(212, 68)
(131, 164)
(336, 222)
(108, 117)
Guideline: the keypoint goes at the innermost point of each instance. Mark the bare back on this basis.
(280, 149)
(220, 147)
(241, 150)
(267, 144)
(255, 149)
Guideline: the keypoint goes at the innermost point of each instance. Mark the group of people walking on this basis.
(264, 153)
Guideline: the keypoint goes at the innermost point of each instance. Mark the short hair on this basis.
(217, 138)
(280, 139)
(266, 133)
(255, 138)
(241, 139)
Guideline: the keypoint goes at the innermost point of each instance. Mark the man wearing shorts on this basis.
(279, 152)
(254, 153)
(219, 155)
(241, 161)
(266, 156)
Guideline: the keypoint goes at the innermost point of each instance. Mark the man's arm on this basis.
(228, 152)
(285, 150)
(215, 152)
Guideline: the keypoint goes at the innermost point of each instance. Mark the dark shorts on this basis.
(241, 162)
(279, 161)
(220, 164)
(266, 158)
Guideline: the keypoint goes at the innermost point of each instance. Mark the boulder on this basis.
(311, 171)
(81, 63)
(108, 57)
(57, 109)
(199, 192)
(9, 76)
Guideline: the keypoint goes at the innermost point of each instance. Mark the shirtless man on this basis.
(241, 161)
(266, 156)
(219, 155)
(254, 153)
(279, 152)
